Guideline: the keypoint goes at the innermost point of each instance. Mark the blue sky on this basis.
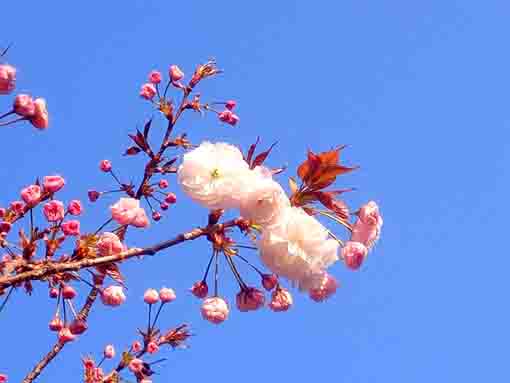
(419, 91)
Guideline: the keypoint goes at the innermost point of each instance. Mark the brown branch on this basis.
(58, 346)
(44, 270)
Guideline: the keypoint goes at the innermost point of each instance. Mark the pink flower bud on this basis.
(369, 214)
(75, 207)
(215, 310)
(200, 289)
(164, 206)
(228, 117)
(53, 292)
(326, 288)
(17, 207)
(65, 335)
(250, 299)
(89, 364)
(54, 211)
(2, 212)
(152, 348)
(281, 300)
(151, 296)
(155, 77)
(31, 195)
(40, 119)
(56, 324)
(78, 326)
(109, 244)
(109, 352)
(167, 295)
(148, 91)
(53, 184)
(93, 195)
(354, 253)
(230, 104)
(105, 166)
(171, 198)
(5, 227)
(7, 78)
(269, 281)
(24, 105)
(71, 227)
(68, 292)
(136, 347)
(136, 366)
(113, 296)
(156, 216)
(3, 378)
(175, 73)
(163, 184)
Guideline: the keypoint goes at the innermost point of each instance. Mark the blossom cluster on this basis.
(293, 244)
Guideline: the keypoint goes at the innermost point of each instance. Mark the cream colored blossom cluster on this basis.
(292, 244)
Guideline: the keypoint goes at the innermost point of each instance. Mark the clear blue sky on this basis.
(419, 90)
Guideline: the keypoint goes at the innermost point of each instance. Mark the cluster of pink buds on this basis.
(24, 106)
(228, 116)
(127, 210)
(136, 360)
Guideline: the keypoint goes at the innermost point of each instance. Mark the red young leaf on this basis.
(259, 160)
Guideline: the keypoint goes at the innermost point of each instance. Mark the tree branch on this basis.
(43, 270)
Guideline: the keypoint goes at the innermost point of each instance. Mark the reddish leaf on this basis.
(326, 176)
(251, 151)
(293, 186)
(147, 128)
(132, 151)
(308, 168)
(259, 160)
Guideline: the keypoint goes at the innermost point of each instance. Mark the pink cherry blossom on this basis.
(71, 227)
(325, 289)
(171, 198)
(17, 207)
(65, 335)
(109, 352)
(269, 281)
(212, 175)
(113, 296)
(250, 299)
(31, 194)
(228, 117)
(155, 77)
(152, 348)
(53, 184)
(354, 253)
(366, 234)
(109, 244)
(56, 324)
(75, 207)
(7, 78)
(40, 118)
(105, 166)
(163, 184)
(54, 211)
(151, 296)
(24, 105)
(127, 211)
(167, 295)
(148, 91)
(68, 292)
(281, 300)
(78, 326)
(215, 310)
(297, 247)
(137, 346)
(93, 195)
(230, 104)
(136, 365)
(369, 214)
(175, 73)
(200, 289)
